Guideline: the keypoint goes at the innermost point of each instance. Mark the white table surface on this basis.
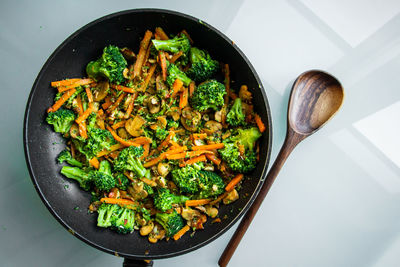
(335, 202)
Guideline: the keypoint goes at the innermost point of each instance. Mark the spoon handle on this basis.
(291, 140)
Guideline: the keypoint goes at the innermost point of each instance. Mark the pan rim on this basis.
(82, 237)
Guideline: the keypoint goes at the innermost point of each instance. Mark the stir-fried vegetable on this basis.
(155, 137)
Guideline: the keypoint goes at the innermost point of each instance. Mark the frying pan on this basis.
(63, 197)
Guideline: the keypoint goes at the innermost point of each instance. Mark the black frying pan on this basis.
(42, 145)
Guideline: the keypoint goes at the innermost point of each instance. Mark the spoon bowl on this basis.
(316, 96)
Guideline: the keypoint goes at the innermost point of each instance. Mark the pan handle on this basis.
(137, 263)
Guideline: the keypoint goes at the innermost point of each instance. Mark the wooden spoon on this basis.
(316, 96)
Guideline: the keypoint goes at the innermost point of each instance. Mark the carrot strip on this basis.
(160, 32)
(146, 57)
(199, 135)
(64, 82)
(234, 182)
(191, 88)
(61, 101)
(195, 159)
(148, 77)
(181, 232)
(130, 107)
(166, 140)
(116, 103)
(63, 89)
(79, 83)
(175, 150)
(118, 125)
(148, 181)
(118, 201)
(198, 202)
(260, 124)
(89, 94)
(195, 153)
(79, 104)
(176, 56)
(85, 114)
(94, 162)
(177, 156)
(176, 87)
(154, 161)
(188, 36)
(183, 101)
(107, 103)
(214, 159)
(146, 151)
(219, 198)
(112, 148)
(123, 88)
(142, 140)
(119, 139)
(209, 147)
(82, 130)
(163, 64)
(142, 53)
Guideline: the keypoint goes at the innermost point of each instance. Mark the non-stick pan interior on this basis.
(67, 202)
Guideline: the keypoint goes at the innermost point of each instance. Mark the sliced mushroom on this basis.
(74, 130)
(134, 125)
(154, 104)
(190, 119)
(189, 214)
(163, 169)
(137, 190)
(245, 94)
(160, 85)
(158, 233)
(101, 91)
(123, 133)
(175, 113)
(147, 229)
(125, 73)
(211, 127)
(218, 116)
(211, 211)
(231, 197)
(128, 54)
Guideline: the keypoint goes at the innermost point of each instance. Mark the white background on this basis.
(335, 202)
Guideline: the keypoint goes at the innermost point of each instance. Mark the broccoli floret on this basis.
(163, 199)
(171, 222)
(178, 43)
(118, 218)
(140, 99)
(65, 155)
(148, 189)
(91, 121)
(175, 73)
(210, 184)
(209, 94)
(237, 161)
(161, 134)
(203, 66)
(97, 141)
(83, 177)
(124, 221)
(103, 179)
(128, 159)
(110, 65)
(172, 124)
(186, 179)
(121, 181)
(236, 116)
(61, 120)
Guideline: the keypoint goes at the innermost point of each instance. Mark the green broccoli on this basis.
(235, 116)
(110, 65)
(128, 159)
(186, 179)
(210, 184)
(209, 94)
(161, 134)
(118, 218)
(149, 189)
(237, 161)
(171, 222)
(178, 43)
(175, 73)
(103, 179)
(61, 120)
(163, 199)
(65, 155)
(97, 141)
(83, 176)
(121, 181)
(203, 66)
